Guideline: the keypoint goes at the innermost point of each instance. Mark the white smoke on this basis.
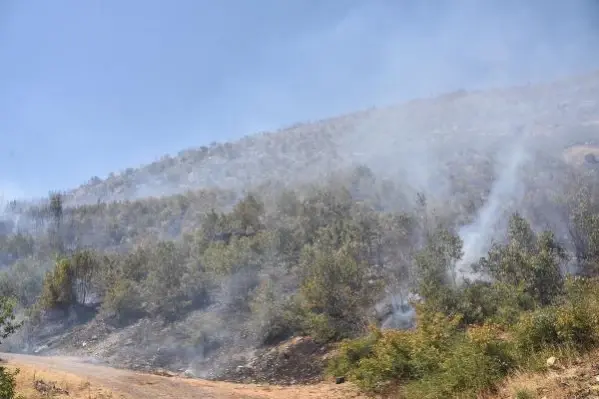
(478, 236)
(400, 314)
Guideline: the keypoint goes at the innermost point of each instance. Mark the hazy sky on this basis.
(89, 87)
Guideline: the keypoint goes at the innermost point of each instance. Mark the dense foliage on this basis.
(523, 307)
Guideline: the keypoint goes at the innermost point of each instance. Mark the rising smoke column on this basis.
(478, 236)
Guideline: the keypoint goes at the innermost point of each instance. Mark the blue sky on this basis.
(90, 87)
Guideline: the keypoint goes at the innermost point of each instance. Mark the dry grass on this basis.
(576, 379)
(67, 385)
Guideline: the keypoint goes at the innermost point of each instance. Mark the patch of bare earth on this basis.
(299, 360)
(62, 375)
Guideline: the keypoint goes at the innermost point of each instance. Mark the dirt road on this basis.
(84, 379)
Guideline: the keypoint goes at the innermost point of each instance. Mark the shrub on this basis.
(436, 360)
(23, 280)
(474, 361)
(578, 317)
(8, 384)
(500, 303)
(536, 331)
(464, 372)
(573, 324)
(7, 327)
(375, 361)
(271, 318)
(350, 352)
(122, 301)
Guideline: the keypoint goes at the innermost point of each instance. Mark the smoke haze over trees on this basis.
(441, 242)
(323, 244)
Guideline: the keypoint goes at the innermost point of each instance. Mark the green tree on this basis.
(271, 318)
(528, 261)
(56, 210)
(336, 290)
(122, 301)
(436, 269)
(164, 285)
(248, 214)
(582, 213)
(57, 290)
(7, 317)
(85, 266)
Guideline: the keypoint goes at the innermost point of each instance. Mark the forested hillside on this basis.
(436, 240)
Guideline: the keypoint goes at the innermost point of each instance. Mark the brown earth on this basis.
(75, 378)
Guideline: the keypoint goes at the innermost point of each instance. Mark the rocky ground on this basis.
(297, 361)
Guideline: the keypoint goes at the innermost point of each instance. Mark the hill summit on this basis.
(419, 134)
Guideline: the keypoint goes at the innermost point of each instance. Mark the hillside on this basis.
(442, 231)
(566, 111)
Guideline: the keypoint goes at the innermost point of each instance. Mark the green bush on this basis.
(8, 384)
(442, 358)
(7, 327)
(473, 361)
(573, 324)
(578, 316)
(351, 352)
(465, 372)
(436, 360)
(537, 330)
(375, 362)
(122, 302)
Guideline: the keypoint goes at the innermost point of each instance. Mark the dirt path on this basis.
(80, 376)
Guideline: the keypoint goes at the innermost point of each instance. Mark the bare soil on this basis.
(83, 379)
